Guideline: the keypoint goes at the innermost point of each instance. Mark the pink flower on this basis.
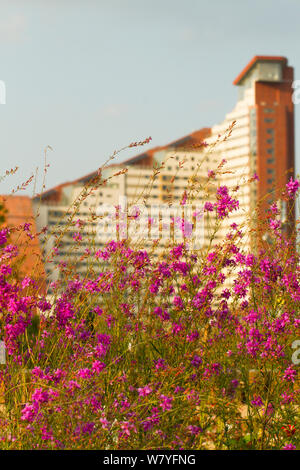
(194, 430)
(166, 402)
(274, 208)
(72, 385)
(5, 270)
(40, 396)
(176, 328)
(104, 422)
(98, 366)
(275, 224)
(98, 310)
(270, 409)
(127, 428)
(144, 391)
(289, 447)
(292, 187)
(208, 206)
(160, 364)
(64, 312)
(196, 361)
(225, 203)
(257, 401)
(3, 236)
(287, 398)
(178, 302)
(290, 374)
(44, 305)
(84, 373)
(29, 412)
(77, 237)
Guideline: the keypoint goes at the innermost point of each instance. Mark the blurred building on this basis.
(137, 186)
(20, 219)
(261, 142)
(262, 139)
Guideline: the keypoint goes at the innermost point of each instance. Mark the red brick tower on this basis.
(272, 120)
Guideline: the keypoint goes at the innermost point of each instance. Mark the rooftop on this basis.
(254, 61)
(188, 142)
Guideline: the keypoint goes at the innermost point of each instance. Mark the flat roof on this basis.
(258, 58)
(193, 138)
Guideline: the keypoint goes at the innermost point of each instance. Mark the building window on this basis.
(270, 131)
(268, 110)
(269, 120)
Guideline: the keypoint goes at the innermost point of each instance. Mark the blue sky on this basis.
(88, 77)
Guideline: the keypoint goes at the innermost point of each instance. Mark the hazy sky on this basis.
(90, 76)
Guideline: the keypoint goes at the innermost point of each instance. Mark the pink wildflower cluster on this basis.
(156, 351)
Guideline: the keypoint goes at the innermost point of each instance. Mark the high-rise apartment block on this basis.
(261, 142)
